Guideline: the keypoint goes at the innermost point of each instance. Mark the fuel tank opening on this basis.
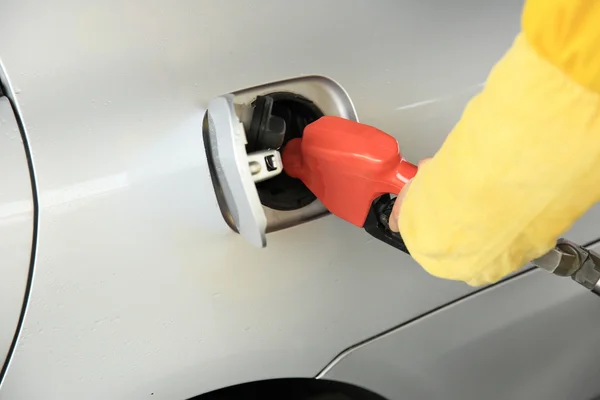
(283, 192)
(244, 133)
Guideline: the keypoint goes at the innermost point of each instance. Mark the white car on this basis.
(122, 275)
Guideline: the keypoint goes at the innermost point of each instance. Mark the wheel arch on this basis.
(292, 389)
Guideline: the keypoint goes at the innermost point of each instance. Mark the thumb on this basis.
(395, 215)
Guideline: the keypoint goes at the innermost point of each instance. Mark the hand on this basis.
(393, 221)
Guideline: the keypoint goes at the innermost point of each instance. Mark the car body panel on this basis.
(16, 226)
(534, 337)
(141, 287)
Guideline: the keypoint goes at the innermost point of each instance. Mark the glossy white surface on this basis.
(533, 338)
(140, 285)
(16, 226)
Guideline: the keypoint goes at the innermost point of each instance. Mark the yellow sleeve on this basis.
(523, 163)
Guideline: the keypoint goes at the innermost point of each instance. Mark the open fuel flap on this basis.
(244, 133)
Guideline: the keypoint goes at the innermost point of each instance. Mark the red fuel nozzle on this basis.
(347, 165)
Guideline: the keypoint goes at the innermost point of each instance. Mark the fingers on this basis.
(395, 215)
